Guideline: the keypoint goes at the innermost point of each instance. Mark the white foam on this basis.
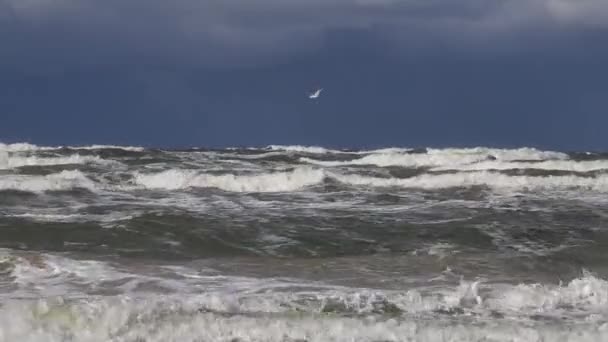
(171, 318)
(65, 180)
(100, 147)
(322, 150)
(49, 217)
(525, 153)
(304, 149)
(265, 182)
(261, 155)
(42, 216)
(386, 150)
(44, 275)
(446, 158)
(587, 293)
(303, 177)
(3, 159)
(558, 165)
(25, 147)
(22, 147)
(404, 160)
(207, 306)
(481, 178)
(441, 250)
(12, 161)
(47, 275)
(39, 274)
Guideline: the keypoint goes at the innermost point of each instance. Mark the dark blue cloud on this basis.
(237, 32)
(413, 73)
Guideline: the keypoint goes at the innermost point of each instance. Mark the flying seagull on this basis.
(315, 94)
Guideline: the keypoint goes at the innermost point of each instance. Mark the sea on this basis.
(300, 243)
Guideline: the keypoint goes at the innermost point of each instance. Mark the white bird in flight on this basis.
(315, 94)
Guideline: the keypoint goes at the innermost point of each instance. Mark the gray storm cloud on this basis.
(239, 31)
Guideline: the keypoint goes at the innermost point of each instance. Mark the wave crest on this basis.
(11, 161)
(481, 178)
(269, 182)
(442, 157)
(65, 180)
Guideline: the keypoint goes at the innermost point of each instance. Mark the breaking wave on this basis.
(12, 161)
(121, 305)
(304, 149)
(65, 180)
(22, 147)
(455, 158)
(483, 178)
(267, 182)
(301, 178)
(556, 165)
(101, 147)
(322, 150)
(586, 294)
(25, 147)
(126, 319)
(525, 153)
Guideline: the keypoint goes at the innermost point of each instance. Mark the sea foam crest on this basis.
(587, 293)
(480, 178)
(124, 319)
(65, 180)
(303, 177)
(22, 147)
(229, 316)
(400, 159)
(556, 165)
(442, 157)
(25, 147)
(101, 147)
(3, 159)
(266, 182)
(12, 161)
(304, 149)
(524, 153)
(323, 150)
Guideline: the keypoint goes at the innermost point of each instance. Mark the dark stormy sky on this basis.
(503, 73)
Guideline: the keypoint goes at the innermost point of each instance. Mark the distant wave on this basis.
(101, 147)
(265, 172)
(12, 161)
(556, 165)
(322, 150)
(524, 153)
(23, 147)
(445, 157)
(298, 148)
(482, 178)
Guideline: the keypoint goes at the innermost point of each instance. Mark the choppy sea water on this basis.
(291, 243)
